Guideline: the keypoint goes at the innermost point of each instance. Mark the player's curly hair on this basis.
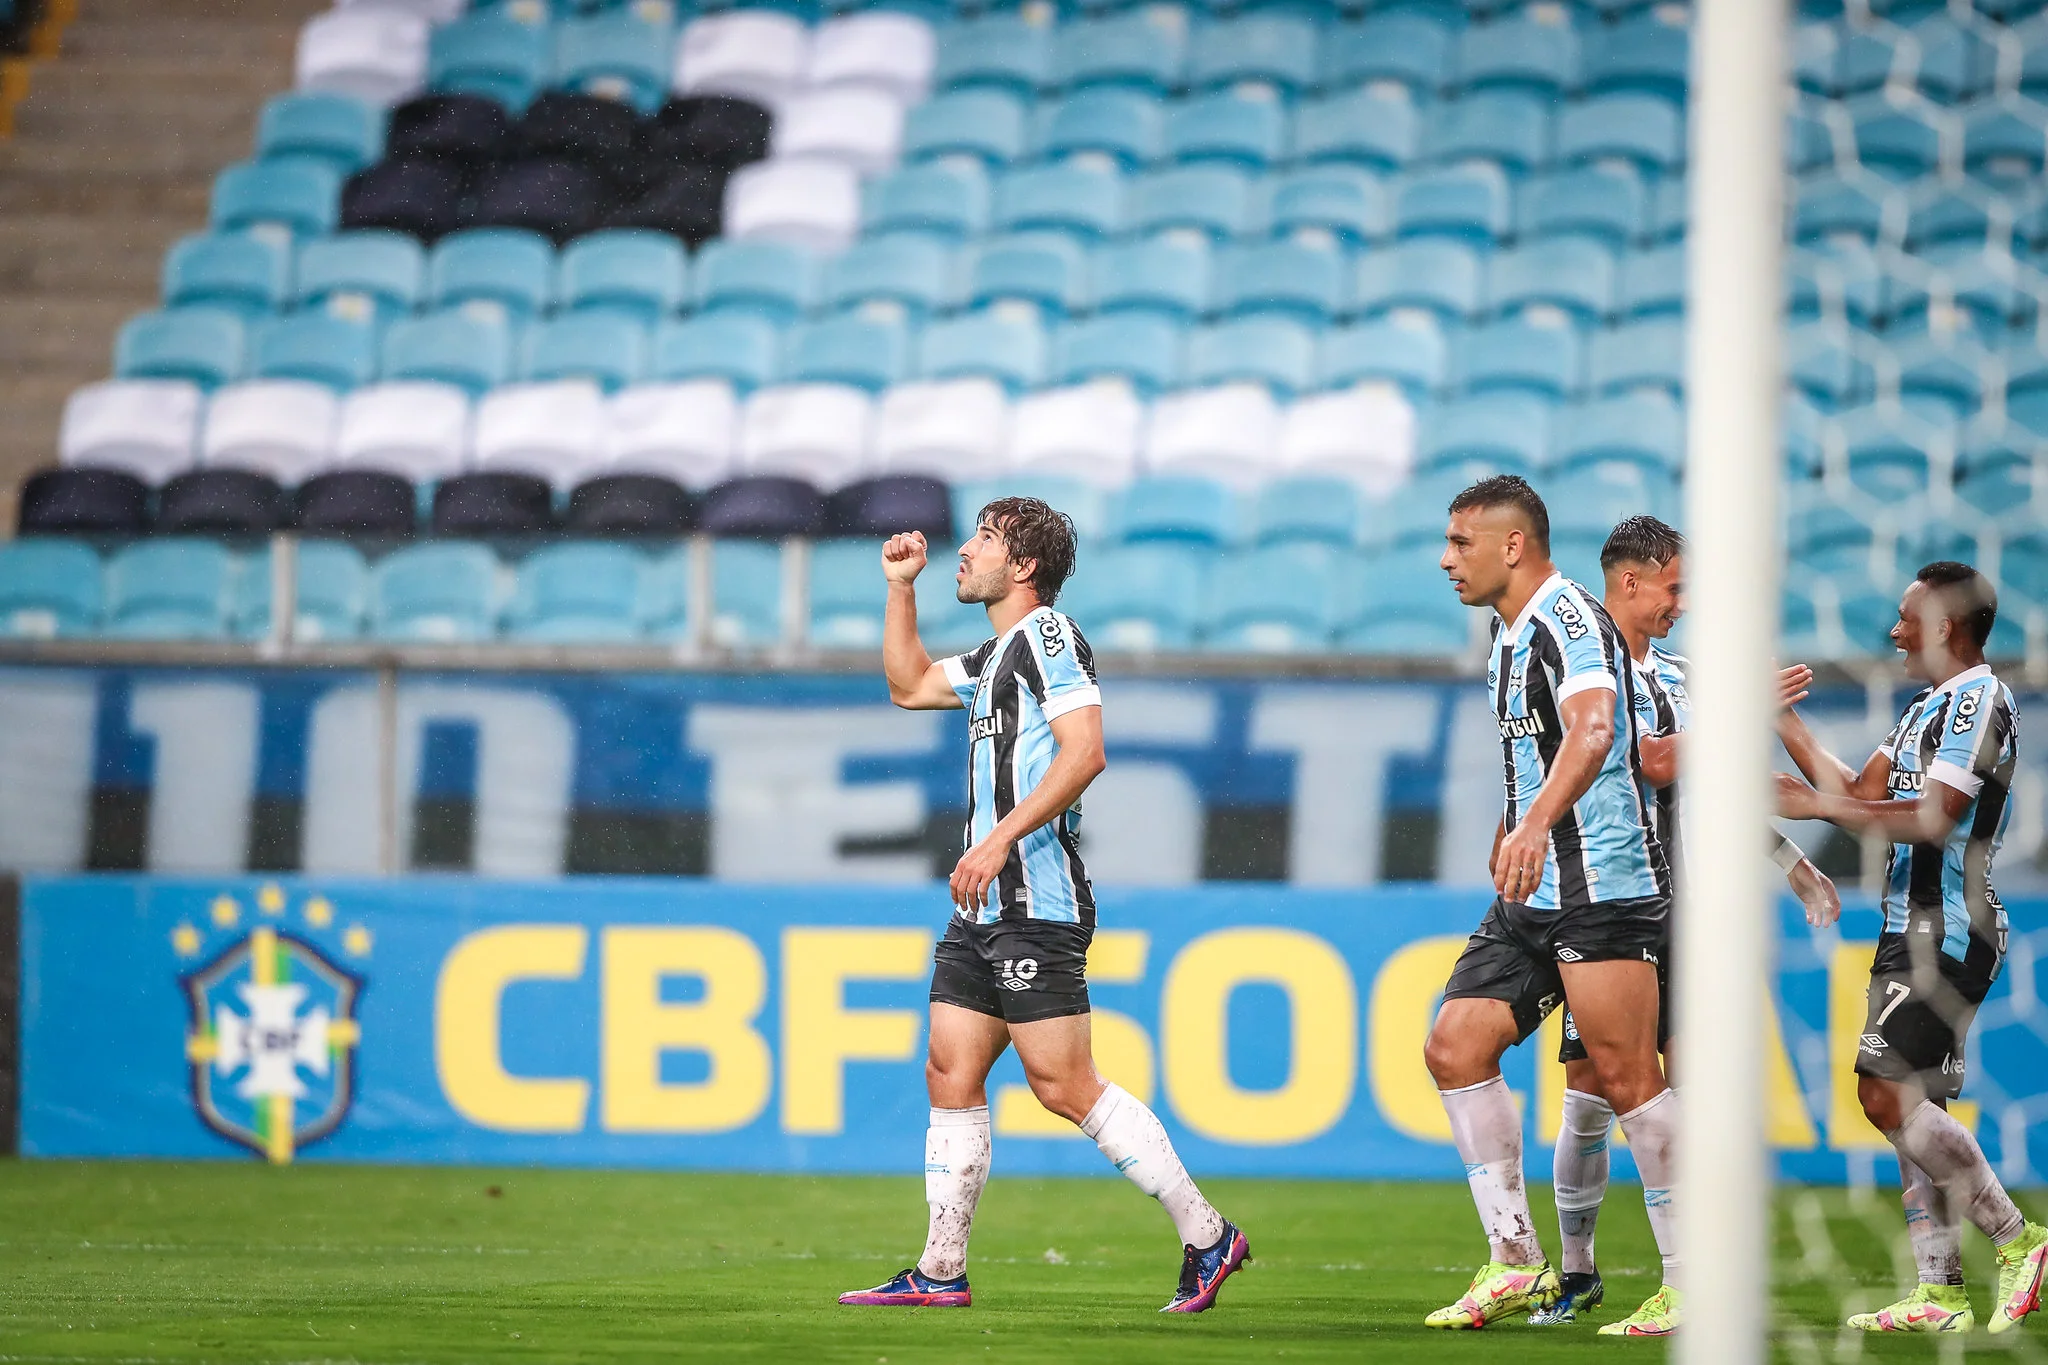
(1035, 530)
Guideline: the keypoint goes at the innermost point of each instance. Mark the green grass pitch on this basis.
(232, 1262)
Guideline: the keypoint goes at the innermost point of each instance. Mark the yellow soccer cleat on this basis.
(1498, 1290)
(1929, 1308)
(2022, 1263)
(1658, 1317)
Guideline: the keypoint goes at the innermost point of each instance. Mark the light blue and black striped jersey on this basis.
(1963, 734)
(1014, 687)
(1605, 848)
(1663, 707)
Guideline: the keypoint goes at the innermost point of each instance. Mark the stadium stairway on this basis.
(113, 153)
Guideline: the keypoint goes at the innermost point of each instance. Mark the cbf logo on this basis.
(272, 1027)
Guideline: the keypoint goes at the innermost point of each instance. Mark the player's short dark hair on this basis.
(1966, 595)
(1033, 529)
(1509, 490)
(1641, 540)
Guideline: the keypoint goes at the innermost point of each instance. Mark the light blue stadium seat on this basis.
(1824, 537)
(1653, 282)
(230, 270)
(774, 280)
(910, 270)
(1276, 352)
(1829, 206)
(491, 55)
(448, 347)
(1275, 599)
(1997, 477)
(1084, 200)
(1645, 428)
(1816, 50)
(1956, 63)
(984, 123)
(1408, 46)
(1888, 451)
(1640, 128)
(1344, 202)
(1809, 143)
(1948, 371)
(1840, 281)
(1570, 273)
(1415, 516)
(1466, 202)
(1504, 432)
(746, 593)
(169, 588)
(1407, 350)
(507, 270)
(1893, 141)
(1011, 50)
(1820, 364)
(1005, 343)
(371, 274)
(1085, 503)
(1867, 617)
(1287, 278)
(1952, 219)
(1668, 210)
(1587, 503)
(1140, 598)
(579, 592)
(1368, 127)
(622, 54)
(318, 347)
(203, 346)
(1167, 275)
(1124, 124)
(743, 349)
(1301, 510)
(1141, 347)
(1646, 52)
(1802, 425)
(2004, 146)
(947, 199)
(1434, 273)
(1507, 127)
(1538, 353)
(1145, 48)
(1272, 47)
(1647, 354)
(1534, 50)
(665, 595)
(1174, 507)
(338, 129)
(1216, 200)
(1607, 203)
(49, 589)
(634, 272)
(287, 198)
(861, 349)
(1401, 605)
(1979, 284)
(1045, 269)
(332, 593)
(2026, 384)
(606, 348)
(443, 591)
(1245, 127)
(846, 611)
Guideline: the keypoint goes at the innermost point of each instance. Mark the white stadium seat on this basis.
(889, 51)
(433, 11)
(755, 54)
(817, 432)
(281, 427)
(411, 427)
(1230, 433)
(554, 430)
(1086, 431)
(148, 427)
(853, 125)
(814, 204)
(688, 432)
(375, 53)
(1365, 434)
(951, 429)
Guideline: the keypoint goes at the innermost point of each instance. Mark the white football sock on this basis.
(1931, 1223)
(1580, 1170)
(956, 1161)
(1488, 1132)
(1652, 1129)
(1131, 1137)
(1944, 1149)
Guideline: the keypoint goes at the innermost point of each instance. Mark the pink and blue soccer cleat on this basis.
(1202, 1273)
(912, 1289)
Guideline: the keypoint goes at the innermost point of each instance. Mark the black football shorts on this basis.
(1513, 955)
(1017, 970)
(1920, 1006)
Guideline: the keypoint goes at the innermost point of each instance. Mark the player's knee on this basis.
(1452, 1059)
(952, 1088)
(1882, 1103)
(1069, 1097)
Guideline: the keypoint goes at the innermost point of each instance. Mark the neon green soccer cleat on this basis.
(2022, 1263)
(1929, 1308)
(1498, 1290)
(1658, 1317)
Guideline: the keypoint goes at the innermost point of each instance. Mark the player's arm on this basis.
(1924, 819)
(1078, 762)
(1815, 889)
(1824, 770)
(1659, 754)
(915, 682)
(1588, 734)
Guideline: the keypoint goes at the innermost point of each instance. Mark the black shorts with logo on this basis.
(1571, 1048)
(1016, 970)
(1513, 955)
(1921, 1005)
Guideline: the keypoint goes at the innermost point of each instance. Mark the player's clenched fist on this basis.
(903, 557)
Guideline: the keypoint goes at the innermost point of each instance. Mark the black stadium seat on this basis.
(357, 502)
(593, 132)
(493, 504)
(223, 502)
(892, 503)
(556, 198)
(84, 502)
(631, 504)
(687, 202)
(468, 132)
(763, 505)
(707, 130)
(421, 198)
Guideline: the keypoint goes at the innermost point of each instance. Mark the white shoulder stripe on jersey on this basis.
(1586, 682)
(1073, 699)
(956, 672)
(1954, 775)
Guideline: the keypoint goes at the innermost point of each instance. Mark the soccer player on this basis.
(1643, 564)
(1937, 790)
(1583, 906)
(1011, 970)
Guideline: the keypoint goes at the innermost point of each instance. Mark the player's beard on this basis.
(981, 589)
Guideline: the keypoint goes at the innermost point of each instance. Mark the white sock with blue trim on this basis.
(957, 1151)
(1652, 1129)
(1488, 1130)
(1580, 1171)
(1135, 1142)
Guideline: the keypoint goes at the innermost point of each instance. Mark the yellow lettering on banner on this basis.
(1322, 1004)
(1123, 1050)
(639, 1027)
(1848, 997)
(1404, 1000)
(467, 1003)
(820, 1035)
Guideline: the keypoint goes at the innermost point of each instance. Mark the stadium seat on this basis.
(464, 132)
(845, 611)
(1174, 506)
(331, 593)
(421, 199)
(1364, 433)
(1649, 354)
(948, 429)
(1469, 203)
(1821, 366)
(356, 502)
(493, 503)
(1010, 51)
(1246, 127)
(1643, 129)
(685, 431)
(1956, 62)
(1493, 433)
(854, 126)
(1083, 502)
(1141, 348)
(1891, 454)
(1825, 537)
(49, 589)
(1140, 598)
(685, 202)
(1644, 428)
(242, 274)
(1087, 432)
(1405, 350)
(367, 276)
(229, 502)
(551, 430)
(284, 428)
(769, 505)
(1341, 202)
(489, 55)
(819, 432)
(772, 280)
(881, 506)
(442, 593)
(500, 273)
(868, 350)
(171, 588)
(1567, 273)
(83, 501)
(1944, 370)
(1273, 48)
(609, 350)
(1145, 48)
(626, 504)
(737, 348)
(1946, 219)
(1084, 200)
(1400, 605)
(1307, 509)
(1894, 142)
(280, 199)
(1998, 477)
(755, 54)
(1274, 599)
(1296, 279)
(1606, 203)
(1828, 206)
(374, 53)
(631, 274)
(1045, 270)
(1809, 143)
(1532, 50)
(716, 131)
(345, 132)
(319, 347)
(1668, 210)
(579, 592)
(988, 125)
(1433, 273)
(418, 430)
(1229, 432)
(1509, 128)
(813, 204)
(2004, 147)
(1005, 343)
(1367, 126)
(145, 427)
(1841, 281)
(947, 199)
(618, 55)
(890, 51)
(451, 346)
(1648, 52)
(910, 271)
(1653, 282)
(1411, 47)
(1166, 275)
(1218, 201)
(1127, 125)
(596, 133)
(746, 594)
(201, 346)
(1275, 352)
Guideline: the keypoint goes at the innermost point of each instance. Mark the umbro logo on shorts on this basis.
(1568, 955)
(1873, 1043)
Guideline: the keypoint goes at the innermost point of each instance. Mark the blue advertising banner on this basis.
(697, 1024)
